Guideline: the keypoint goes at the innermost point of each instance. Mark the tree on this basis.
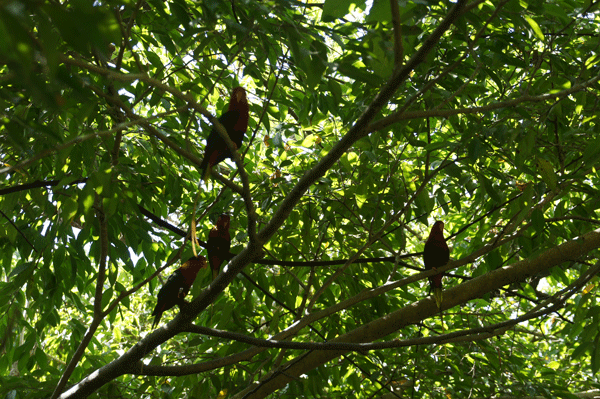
(368, 122)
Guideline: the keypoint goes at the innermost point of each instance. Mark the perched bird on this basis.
(235, 122)
(177, 286)
(218, 244)
(436, 254)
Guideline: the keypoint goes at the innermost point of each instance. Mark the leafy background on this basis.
(363, 132)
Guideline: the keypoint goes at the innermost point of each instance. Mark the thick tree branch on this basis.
(360, 128)
(311, 318)
(415, 312)
(550, 306)
(465, 335)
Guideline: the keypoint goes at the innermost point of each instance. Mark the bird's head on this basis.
(238, 95)
(223, 222)
(437, 230)
(195, 263)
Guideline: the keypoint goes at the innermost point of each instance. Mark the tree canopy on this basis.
(369, 121)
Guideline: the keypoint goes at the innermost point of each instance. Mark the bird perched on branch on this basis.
(235, 122)
(436, 254)
(218, 244)
(177, 286)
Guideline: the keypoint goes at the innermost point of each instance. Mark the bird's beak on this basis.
(240, 96)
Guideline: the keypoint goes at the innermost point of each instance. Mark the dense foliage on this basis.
(368, 122)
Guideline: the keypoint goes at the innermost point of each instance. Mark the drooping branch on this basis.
(18, 230)
(445, 113)
(81, 139)
(52, 183)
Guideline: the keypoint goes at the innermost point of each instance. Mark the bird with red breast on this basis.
(218, 244)
(235, 122)
(177, 287)
(436, 254)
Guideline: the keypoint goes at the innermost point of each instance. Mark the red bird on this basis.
(177, 286)
(218, 244)
(436, 254)
(235, 122)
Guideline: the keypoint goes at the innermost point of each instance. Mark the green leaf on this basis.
(490, 190)
(475, 149)
(179, 9)
(20, 268)
(591, 152)
(535, 27)
(537, 219)
(359, 74)
(333, 9)
(493, 260)
(547, 173)
(380, 11)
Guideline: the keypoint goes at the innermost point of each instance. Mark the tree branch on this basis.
(415, 312)
(398, 47)
(98, 315)
(445, 113)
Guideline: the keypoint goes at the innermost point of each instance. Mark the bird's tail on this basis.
(205, 169)
(215, 273)
(206, 174)
(156, 319)
(437, 295)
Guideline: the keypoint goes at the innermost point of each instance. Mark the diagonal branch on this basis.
(379, 234)
(470, 334)
(445, 113)
(98, 315)
(361, 127)
(253, 249)
(19, 230)
(416, 312)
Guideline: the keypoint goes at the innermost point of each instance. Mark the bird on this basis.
(436, 254)
(218, 244)
(177, 286)
(235, 122)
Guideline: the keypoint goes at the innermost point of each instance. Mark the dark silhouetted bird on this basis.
(218, 244)
(436, 254)
(235, 122)
(177, 286)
